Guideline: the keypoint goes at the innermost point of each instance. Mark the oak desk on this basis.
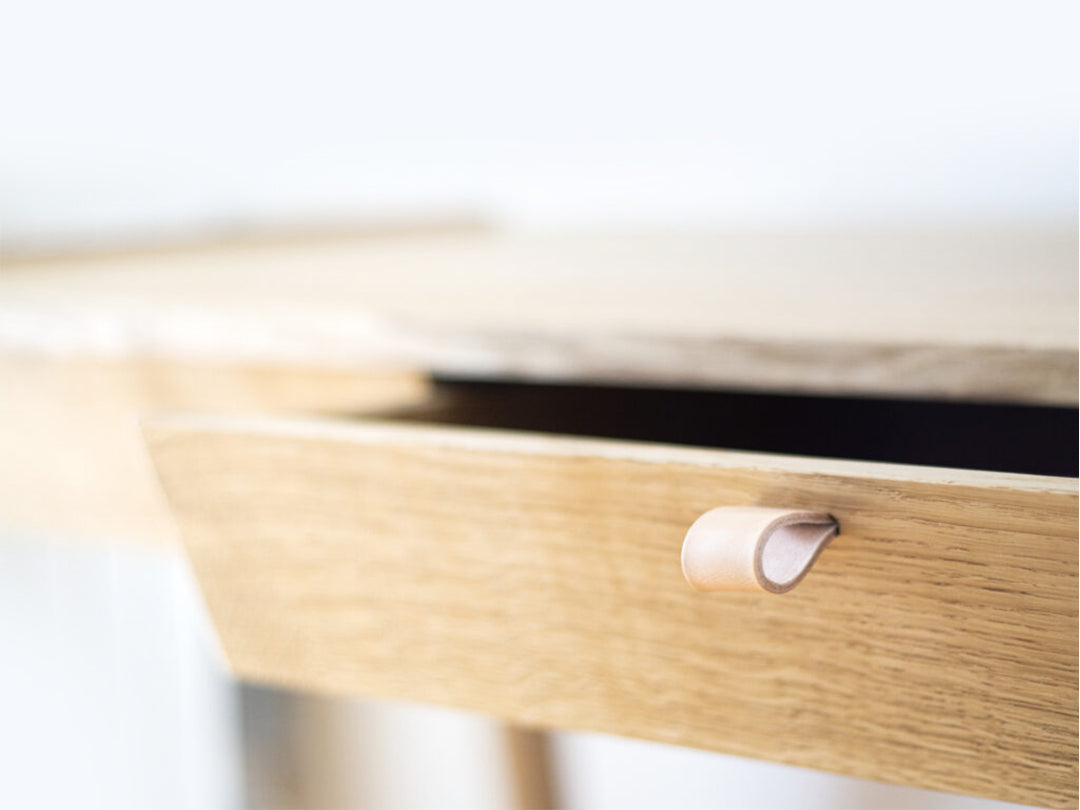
(363, 461)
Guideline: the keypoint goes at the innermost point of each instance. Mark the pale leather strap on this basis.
(754, 548)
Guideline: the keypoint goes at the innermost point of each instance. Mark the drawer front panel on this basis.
(538, 579)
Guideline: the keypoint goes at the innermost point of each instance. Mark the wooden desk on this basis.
(536, 577)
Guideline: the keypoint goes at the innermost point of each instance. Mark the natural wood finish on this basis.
(966, 314)
(538, 579)
(72, 462)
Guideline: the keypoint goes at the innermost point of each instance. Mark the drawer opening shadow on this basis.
(1039, 440)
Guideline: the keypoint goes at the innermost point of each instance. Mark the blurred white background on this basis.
(124, 120)
(122, 115)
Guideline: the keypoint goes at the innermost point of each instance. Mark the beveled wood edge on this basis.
(483, 439)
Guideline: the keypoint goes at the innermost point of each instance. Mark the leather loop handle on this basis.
(754, 548)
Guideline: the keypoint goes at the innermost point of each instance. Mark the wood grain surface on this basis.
(977, 314)
(537, 579)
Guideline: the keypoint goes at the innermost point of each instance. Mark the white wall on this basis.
(121, 114)
(111, 694)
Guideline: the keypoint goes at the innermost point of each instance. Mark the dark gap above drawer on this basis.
(1003, 438)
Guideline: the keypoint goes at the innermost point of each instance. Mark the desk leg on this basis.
(532, 779)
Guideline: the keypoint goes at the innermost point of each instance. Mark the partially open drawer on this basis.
(537, 578)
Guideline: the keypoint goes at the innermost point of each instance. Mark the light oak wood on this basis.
(979, 314)
(72, 462)
(538, 579)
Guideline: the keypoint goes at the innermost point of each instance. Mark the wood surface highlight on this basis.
(965, 314)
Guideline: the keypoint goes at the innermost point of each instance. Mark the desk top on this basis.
(986, 315)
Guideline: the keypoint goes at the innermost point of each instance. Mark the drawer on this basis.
(536, 577)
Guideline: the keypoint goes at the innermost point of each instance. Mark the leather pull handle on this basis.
(754, 548)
